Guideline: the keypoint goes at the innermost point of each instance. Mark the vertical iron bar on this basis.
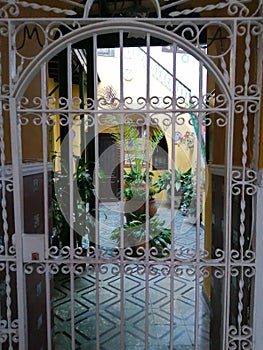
(93, 149)
(3, 208)
(48, 304)
(63, 88)
(258, 204)
(96, 141)
(242, 228)
(228, 191)
(90, 137)
(147, 223)
(173, 156)
(19, 225)
(12, 54)
(45, 185)
(16, 151)
(71, 194)
(82, 118)
(122, 276)
(45, 158)
(198, 202)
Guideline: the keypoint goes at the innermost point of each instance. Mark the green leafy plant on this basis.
(164, 181)
(187, 188)
(81, 179)
(135, 233)
(135, 187)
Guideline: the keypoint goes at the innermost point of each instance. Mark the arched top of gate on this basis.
(90, 30)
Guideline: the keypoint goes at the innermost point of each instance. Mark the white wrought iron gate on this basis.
(94, 107)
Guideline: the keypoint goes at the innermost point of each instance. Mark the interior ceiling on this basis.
(119, 7)
(122, 8)
(111, 8)
(54, 68)
(128, 8)
(108, 8)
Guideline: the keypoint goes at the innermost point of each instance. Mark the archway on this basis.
(117, 263)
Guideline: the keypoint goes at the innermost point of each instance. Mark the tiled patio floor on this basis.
(133, 298)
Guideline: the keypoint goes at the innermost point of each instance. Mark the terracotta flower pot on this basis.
(152, 207)
(138, 207)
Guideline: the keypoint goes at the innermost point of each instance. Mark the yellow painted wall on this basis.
(31, 134)
(55, 138)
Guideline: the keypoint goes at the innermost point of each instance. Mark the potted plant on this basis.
(135, 235)
(135, 196)
(135, 174)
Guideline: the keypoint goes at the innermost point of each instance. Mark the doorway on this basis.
(108, 290)
(109, 159)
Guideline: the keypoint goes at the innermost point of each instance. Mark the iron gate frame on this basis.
(18, 82)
